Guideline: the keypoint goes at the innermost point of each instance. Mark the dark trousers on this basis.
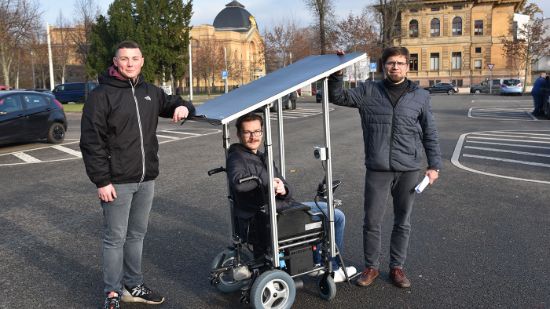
(378, 186)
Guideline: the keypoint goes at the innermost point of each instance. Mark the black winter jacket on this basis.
(248, 196)
(394, 137)
(118, 129)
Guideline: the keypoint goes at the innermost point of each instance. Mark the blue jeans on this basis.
(125, 225)
(339, 225)
(378, 186)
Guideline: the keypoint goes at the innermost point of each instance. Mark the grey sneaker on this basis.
(141, 294)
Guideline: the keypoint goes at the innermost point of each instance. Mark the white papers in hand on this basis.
(422, 185)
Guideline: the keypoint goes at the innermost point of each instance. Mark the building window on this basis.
(413, 10)
(456, 60)
(457, 82)
(477, 64)
(413, 28)
(435, 9)
(478, 27)
(478, 50)
(434, 27)
(457, 26)
(434, 61)
(413, 62)
(457, 7)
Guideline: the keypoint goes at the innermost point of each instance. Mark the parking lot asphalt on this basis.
(478, 240)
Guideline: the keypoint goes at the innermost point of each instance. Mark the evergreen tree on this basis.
(160, 27)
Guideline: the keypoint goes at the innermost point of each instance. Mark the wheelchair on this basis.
(246, 265)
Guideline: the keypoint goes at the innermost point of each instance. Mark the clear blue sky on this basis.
(266, 12)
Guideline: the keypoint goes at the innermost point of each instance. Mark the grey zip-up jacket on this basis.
(394, 137)
(118, 129)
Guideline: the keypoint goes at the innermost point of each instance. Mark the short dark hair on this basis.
(246, 118)
(395, 51)
(126, 44)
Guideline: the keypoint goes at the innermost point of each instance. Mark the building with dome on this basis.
(232, 44)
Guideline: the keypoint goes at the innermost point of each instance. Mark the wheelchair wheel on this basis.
(273, 289)
(327, 287)
(227, 284)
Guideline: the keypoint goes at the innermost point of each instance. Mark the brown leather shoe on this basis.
(399, 279)
(367, 276)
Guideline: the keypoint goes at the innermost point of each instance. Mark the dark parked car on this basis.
(73, 92)
(447, 88)
(484, 87)
(29, 116)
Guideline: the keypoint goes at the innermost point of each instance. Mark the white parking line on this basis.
(168, 137)
(68, 150)
(180, 132)
(25, 157)
(456, 156)
(513, 136)
(506, 160)
(507, 139)
(506, 144)
(524, 153)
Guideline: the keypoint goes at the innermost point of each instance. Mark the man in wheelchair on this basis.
(246, 162)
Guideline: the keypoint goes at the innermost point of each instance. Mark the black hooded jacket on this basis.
(249, 196)
(118, 129)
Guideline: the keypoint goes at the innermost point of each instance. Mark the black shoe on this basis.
(141, 294)
(112, 301)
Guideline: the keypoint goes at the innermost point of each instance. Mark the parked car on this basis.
(484, 87)
(512, 86)
(29, 116)
(73, 92)
(48, 91)
(447, 88)
(3, 87)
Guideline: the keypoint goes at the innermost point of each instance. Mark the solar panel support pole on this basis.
(328, 172)
(282, 164)
(271, 189)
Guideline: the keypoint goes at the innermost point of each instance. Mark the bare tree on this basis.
(529, 42)
(18, 24)
(323, 10)
(208, 61)
(357, 33)
(388, 14)
(86, 13)
(61, 46)
(278, 44)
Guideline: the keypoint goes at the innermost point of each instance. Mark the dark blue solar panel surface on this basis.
(265, 90)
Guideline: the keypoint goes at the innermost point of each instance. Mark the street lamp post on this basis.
(33, 74)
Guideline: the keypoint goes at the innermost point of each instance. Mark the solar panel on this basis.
(265, 90)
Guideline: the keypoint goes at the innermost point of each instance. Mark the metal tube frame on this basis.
(226, 143)
(328, 172)
(282, 164)
(272, 205)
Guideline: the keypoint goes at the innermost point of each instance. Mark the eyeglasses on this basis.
(256, 133)
(395, 63)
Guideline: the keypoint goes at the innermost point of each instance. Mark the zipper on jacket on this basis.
(140, 133)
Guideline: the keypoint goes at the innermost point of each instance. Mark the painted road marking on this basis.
(23, 157)
(26, 158)
(68, 150)
(491, 149)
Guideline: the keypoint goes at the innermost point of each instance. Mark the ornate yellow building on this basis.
(459, 40)
(232, 44)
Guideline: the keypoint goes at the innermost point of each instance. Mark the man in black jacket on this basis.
(398, 126)
(119, 147)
